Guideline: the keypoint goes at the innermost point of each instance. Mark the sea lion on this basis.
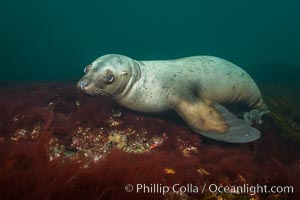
(195, 87)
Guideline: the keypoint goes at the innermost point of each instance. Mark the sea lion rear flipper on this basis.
(212, 120)
(255, 115)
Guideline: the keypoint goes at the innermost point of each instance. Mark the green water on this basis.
(46, 40)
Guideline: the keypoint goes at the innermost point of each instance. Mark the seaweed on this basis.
(56, 143)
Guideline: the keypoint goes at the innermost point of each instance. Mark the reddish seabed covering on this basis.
(56, 143)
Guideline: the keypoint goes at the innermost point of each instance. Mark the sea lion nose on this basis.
(83, 84)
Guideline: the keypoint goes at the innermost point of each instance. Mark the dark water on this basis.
(56, 39)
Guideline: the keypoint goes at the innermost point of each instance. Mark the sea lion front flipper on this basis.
(212, 120)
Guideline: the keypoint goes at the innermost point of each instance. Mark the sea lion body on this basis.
(207, 77)
(195, 87)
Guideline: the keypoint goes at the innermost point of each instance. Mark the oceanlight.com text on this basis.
(212, 188)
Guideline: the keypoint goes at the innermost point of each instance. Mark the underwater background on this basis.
(56, 39)
(57, 143)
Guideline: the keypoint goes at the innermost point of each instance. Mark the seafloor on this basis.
(56, 143)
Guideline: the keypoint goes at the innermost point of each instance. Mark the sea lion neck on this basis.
(131, 79)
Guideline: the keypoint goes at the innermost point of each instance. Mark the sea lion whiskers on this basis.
(100, 92)
(95, 92)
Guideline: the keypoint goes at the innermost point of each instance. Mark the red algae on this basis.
(56, 143)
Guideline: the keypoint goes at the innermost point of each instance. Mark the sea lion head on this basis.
(108, 75)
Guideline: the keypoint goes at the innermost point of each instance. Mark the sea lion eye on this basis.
(109, 79)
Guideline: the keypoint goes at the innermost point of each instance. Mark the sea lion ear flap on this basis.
(124, 73)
